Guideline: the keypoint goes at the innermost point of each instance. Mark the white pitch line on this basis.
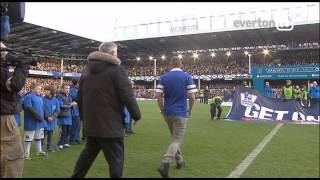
(236, 173)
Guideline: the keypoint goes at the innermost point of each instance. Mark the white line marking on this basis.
(236, 173)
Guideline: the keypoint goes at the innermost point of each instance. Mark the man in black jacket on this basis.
(206, 95)
(104, 91)
(11, 146)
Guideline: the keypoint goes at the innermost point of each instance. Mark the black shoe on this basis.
(51, 150)
(181, 165)
(78, 142)
(72, 143)
(126, 134)
(164, 170)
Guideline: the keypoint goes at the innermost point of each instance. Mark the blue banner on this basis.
(262, 73)
(286, 72)
(249, 105)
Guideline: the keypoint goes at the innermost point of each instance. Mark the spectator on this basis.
(314, 93)
(268, 90)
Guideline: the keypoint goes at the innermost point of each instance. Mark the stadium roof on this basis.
(225, 39)
(45, 41)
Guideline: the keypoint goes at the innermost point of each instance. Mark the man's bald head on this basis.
(176, 62)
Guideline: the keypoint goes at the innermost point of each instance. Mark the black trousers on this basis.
(314, 101)
(299, 100)
(64, 135)
(213, 108)
(48, 135)
(206, 100)
(305, 103)
(83, 135)
(113, 150)
(75, 130)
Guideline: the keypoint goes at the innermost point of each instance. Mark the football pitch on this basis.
(210, 148)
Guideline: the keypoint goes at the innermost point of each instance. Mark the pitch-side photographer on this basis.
(11, 146)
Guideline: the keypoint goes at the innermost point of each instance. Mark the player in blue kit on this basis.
(52, 110)
(34, 122)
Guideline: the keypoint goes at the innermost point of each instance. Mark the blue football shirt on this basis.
(34, 101)
(176, 85)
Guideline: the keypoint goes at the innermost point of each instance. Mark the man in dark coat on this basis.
(104, 91)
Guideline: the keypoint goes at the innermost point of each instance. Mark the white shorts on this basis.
(37, 135)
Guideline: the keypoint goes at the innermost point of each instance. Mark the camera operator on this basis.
(11, 146)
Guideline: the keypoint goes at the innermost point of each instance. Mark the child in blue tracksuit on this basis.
(127, 121)
(52, 110)
(64, 118)
(76, 123)
(18, 116)
(34, 122)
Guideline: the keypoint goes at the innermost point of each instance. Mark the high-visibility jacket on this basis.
(305, 95)
(217, 100)
(297, 93)
(288, 92)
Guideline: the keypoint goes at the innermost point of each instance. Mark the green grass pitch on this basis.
(210, 148)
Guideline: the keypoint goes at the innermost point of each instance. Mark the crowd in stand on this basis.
(54, 65)
(144, 93)
(300, 58)
(73, 66)
(47, 65)
(195, 69)
(44, 81)
(237, 64)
